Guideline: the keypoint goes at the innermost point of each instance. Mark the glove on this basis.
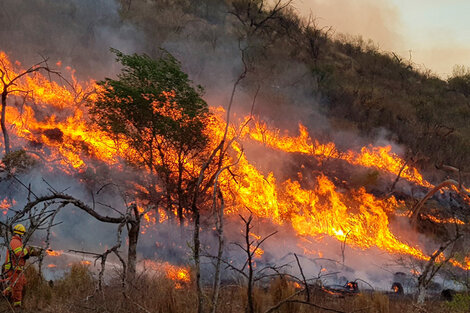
(34, 251)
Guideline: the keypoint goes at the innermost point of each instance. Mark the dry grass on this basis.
(76, 292)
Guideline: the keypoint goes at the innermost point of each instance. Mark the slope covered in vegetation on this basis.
(298, 64)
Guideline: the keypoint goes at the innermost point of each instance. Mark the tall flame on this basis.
(375, 157)
(54, 117)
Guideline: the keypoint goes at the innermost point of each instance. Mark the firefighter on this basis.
(13, 268)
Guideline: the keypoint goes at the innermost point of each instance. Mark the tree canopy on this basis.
(154, 109)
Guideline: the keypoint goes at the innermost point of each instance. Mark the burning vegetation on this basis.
(312, 211)
(148, 138)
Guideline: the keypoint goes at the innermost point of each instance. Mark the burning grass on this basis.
(315, 207)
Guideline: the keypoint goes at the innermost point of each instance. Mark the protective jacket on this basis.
(13, 270)
(16, 261)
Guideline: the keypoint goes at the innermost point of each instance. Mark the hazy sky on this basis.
(436, 31)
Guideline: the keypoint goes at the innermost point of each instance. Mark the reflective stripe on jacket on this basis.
(19, 252)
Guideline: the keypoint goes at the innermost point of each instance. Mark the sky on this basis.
(435, 33)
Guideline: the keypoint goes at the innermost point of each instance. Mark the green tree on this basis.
(159, 116)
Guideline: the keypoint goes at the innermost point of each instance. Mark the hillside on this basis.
(348, 80)
(196, 156)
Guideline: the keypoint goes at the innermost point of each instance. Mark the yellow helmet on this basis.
(19, 229)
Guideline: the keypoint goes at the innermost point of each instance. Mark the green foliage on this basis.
(154, 109)
(459, 304)
(152, 105)
(151, 98)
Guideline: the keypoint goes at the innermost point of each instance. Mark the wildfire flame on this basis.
(374, 157)
(313, 209)
(180, 275)
(54, 253)
(5, 204)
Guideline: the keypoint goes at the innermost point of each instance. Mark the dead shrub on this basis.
(77, 281)
(372, 303)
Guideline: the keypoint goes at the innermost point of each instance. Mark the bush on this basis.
(77, 281)
(38, 292)
(374, 303)
(460, 304)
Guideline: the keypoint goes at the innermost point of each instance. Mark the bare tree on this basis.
(250, 247)
(206, 181)
(39, 213)
(433, 266)
(254, 14)
(9, 85)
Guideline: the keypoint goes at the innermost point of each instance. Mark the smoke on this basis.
(407, 28)
(77, 32)
(80, 33)
(379, 21)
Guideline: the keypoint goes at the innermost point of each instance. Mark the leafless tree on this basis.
(433, 266)
(208, 178)
(9, 85)
(315, 36)
(40, 212)
(255, 14)
(131, 219)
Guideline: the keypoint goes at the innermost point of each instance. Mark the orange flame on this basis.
(313, 209)
(375, 157)
(54, 253)
(6, 204)
(180, 275)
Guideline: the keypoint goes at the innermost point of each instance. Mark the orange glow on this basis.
(51, 266)
(54, 253)
(85, 262)
(5, 205)
(55, 122)
(180, 275)
(374, 157)
(415, 272)
(437, 220)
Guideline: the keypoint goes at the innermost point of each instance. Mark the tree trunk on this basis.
(421, 294)
(6, 139)
(250, 307)
(220, 234)
(132, 252)
(180, 190)
(197, 261)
